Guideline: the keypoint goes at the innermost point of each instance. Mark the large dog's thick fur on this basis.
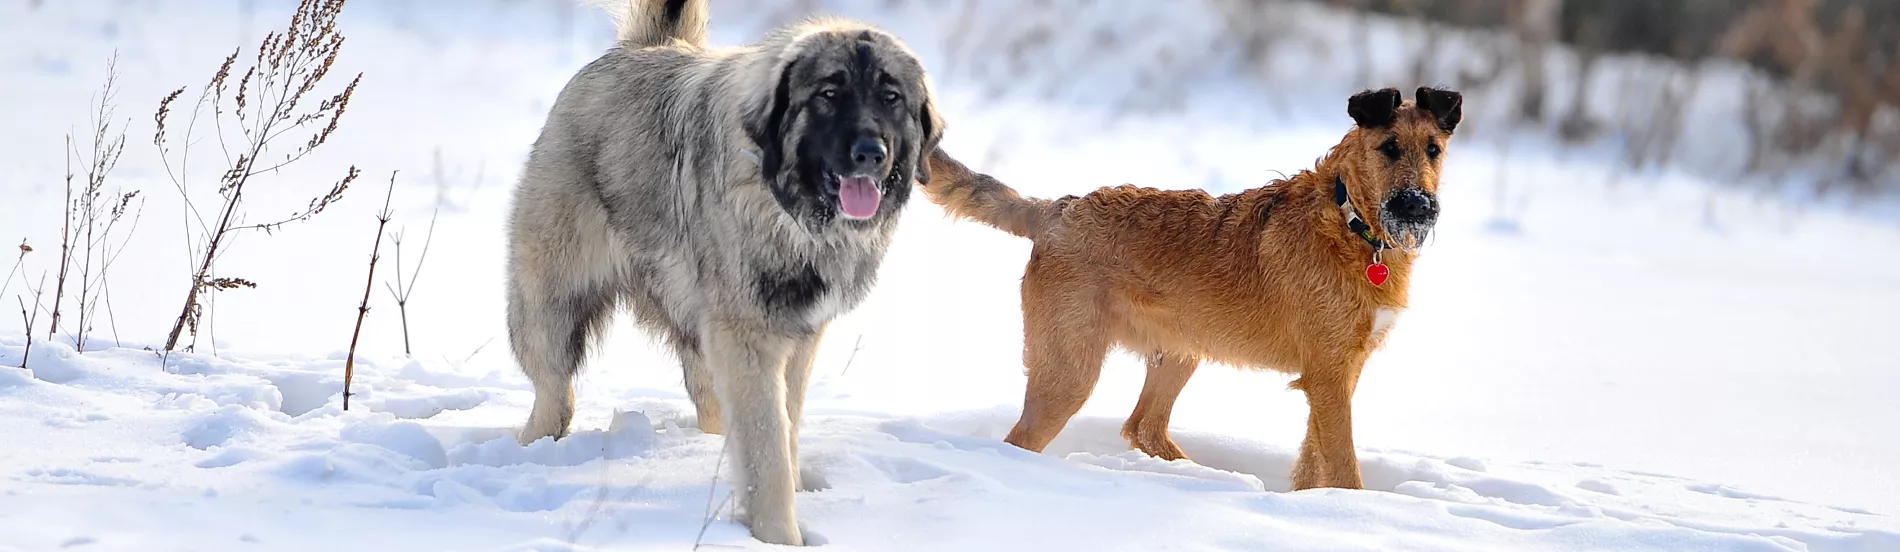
(735, 200)
(1268, 278)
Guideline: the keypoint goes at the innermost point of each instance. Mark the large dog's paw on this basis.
(812, 538)
(785, 532)
(534, 431)
(811, 480)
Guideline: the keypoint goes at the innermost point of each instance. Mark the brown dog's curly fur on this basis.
(1268, 278)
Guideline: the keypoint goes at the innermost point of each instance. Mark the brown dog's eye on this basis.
(828, 94)
(892, 97)
(1390, 148)
(1431, 150)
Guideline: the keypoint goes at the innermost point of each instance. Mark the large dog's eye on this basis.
(1390, 148)
(1431, 150)
(828, 93)
(891, 96)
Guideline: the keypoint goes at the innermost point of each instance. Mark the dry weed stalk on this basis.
(369, 283)
(267, 103)
(86, 241)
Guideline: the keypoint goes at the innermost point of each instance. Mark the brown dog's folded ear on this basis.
(1374, 108)
(1445, 105)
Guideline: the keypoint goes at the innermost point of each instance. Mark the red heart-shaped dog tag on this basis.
(1376, 273)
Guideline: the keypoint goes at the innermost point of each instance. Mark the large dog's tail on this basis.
(656, 22)
(968, 194)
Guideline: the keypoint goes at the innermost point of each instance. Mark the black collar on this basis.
(1353, 222)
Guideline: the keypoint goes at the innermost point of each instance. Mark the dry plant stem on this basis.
(402, 311)
(28, 353)
(477, 351)
(712, 488)
(7, 283)
(268, 96)
(95, 214)
(855, 347)
(65, 246)
(402, 289)
(369, 283)
(29, 321)
(594, 510)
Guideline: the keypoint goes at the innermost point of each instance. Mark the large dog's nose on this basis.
(1412, 204)
(868, 155)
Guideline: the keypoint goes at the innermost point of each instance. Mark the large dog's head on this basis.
(1393, 159)
(844, 127)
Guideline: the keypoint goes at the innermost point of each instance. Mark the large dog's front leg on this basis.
(1327, 456)
(750, 363)
(797, 380)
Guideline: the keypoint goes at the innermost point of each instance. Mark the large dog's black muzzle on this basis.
(867, 156)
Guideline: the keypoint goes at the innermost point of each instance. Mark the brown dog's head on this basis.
(1392, 160)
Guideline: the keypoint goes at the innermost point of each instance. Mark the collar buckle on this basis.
(1357, 225)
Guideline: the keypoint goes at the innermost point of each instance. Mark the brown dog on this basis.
(1304, 276)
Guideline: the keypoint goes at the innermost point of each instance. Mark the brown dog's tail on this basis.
(968, 194)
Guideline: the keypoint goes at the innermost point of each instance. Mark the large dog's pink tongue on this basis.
(858, 195)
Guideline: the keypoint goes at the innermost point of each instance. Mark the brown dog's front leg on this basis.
(1327, 456)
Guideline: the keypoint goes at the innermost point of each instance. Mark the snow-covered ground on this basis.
(1608, 362)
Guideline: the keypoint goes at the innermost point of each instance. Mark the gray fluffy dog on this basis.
(735, 200)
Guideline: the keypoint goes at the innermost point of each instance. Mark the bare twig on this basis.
(478, 350)
(599, 506)
(111, 317)
(445, 180)
(29, 321)
(855, 347)
(369, 284)
(24, 249)
(711, 489)
(402, 289)
(65, 245)
(29, 331)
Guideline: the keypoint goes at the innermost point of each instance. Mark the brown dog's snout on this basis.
(1412, 205)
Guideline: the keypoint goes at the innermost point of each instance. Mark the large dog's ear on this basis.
(1374, 108)
(932, 125)
(1446, 106)
(764, 123)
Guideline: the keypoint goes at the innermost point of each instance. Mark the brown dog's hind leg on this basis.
(1147, 427)
(1062, 374)
(1327, 456)
(1063, 351)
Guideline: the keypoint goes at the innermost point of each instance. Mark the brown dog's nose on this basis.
(1412, 204)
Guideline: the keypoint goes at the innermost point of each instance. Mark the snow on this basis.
(1604, 361)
